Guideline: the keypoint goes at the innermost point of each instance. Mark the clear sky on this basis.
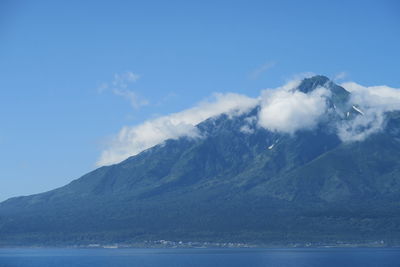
(61, 62)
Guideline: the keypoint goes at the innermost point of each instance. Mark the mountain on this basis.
(263, 186)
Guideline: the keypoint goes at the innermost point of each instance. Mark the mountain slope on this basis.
(230, 185)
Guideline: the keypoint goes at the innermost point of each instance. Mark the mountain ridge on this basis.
(230, 185)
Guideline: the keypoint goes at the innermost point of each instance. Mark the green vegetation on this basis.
(227, 187)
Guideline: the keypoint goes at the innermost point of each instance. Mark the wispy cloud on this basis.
(120, 86)
(256, 73)
(132, 97)
(340, 76)
(122, 80)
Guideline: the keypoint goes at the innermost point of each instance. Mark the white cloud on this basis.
(287, 110)
(246, 129)
(374, 101)
(361, 126)
(382, 97)
(282, 109)
(120, 86)
(249, 126)
(131, 140)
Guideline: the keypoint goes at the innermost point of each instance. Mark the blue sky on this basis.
(56, 56)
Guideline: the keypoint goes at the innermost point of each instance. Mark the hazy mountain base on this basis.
(228, 187)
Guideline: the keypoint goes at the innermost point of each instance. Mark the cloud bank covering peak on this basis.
(373, 102)
(283, 109)
(287, 110)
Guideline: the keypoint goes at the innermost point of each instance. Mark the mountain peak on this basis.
(232, 184)
(309, 84)
(339, 97)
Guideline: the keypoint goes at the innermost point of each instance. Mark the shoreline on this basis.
(250, 247)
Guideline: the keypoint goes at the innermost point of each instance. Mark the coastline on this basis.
(165, 244)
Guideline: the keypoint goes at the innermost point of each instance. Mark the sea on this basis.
(193, 257)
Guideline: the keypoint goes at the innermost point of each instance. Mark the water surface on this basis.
(327, 257)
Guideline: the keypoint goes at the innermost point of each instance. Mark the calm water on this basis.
(200, 257)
